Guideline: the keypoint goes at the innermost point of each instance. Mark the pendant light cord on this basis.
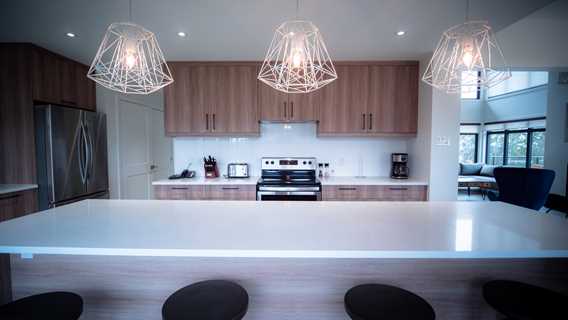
(297, 9)
(130, 11)
(466, 10)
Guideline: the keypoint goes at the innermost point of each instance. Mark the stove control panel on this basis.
(288, 163)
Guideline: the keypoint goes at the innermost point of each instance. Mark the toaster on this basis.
(237, 170)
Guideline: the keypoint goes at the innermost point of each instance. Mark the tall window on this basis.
(468, 147)
(520, 80)
(516, 148)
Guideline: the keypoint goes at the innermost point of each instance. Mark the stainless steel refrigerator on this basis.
(71, 147)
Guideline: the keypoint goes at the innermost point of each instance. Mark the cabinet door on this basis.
(234, 94)
(68, 78)
(343, 103)
(17, 204)
(302, 106)
(46, 77)
(180, 192)
(231, 192)
(393, 102)
(86, 92)
(273, 104)
(185, 105)
(406, 117)
(342, 193)
(401, 193)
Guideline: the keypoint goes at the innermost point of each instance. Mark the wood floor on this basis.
(307, 289)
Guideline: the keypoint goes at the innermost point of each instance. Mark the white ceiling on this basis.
(242, 29)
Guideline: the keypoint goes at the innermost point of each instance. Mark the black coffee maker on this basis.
(399, 166)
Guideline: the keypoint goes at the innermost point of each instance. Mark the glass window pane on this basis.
(517, 149)
(519, 80)
(495, 148)
(537, 149)
(467, 148)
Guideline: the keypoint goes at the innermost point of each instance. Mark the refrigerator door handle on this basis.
(80, 153)
(86, 152)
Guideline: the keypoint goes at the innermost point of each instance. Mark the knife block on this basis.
(211, 170)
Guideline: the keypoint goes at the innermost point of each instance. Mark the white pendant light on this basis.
(467, 55)
(297, 60)
(129, 60)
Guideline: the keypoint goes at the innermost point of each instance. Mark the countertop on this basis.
(386, 181)
(431, 230)
(11, 188)
(202, 180)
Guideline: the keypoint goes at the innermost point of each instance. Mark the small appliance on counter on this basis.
(185, 174)
(210, 166)
(237, 170)
(399, 167)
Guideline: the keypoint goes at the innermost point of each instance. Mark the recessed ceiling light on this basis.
(400, 33)
(70, 34)
(182, 34)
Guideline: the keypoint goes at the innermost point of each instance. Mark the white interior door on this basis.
(144, 151)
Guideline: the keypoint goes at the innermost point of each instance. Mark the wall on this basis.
(471, 111)
(538, 40)
(556, 149)
(530, 103)
(443, 158)
(107, 102)
(347, 156)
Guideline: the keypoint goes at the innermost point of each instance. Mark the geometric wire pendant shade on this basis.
(297, 60)
(467, 55)
(129, 60)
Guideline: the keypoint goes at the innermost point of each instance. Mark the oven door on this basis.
(288, 194)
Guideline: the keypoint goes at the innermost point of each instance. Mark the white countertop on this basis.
(288, 230)
(385, 181)
(375, 181)
(10, 188)
(202, 180)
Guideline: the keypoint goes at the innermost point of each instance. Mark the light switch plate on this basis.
(443, 141)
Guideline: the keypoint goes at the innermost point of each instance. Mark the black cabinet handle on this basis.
(230, 188)
(398, 189)
(363, 126)
(213, 122)
(292, 110)
(285, 114)
(347, 189)
(370, 121)
(207, 121)
(180, 188)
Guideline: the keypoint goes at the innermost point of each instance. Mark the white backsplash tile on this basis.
(346, 156)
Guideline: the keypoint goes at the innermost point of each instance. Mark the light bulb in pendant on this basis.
(129, 60)
(467, 54)
(297, 58)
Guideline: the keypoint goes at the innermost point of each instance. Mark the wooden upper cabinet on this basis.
(272, 103)
(393, 102)
(86, 88)
(58, 80)
(209, 99)
(343, 103)
(68, 78)
(235, 108)
(185, 100)
(46, 77)
(286, 107)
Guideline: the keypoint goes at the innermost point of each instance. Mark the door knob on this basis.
(153, 166)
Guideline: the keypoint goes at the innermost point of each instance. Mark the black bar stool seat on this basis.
(207, 300)
(378, 302)
(45, 306)
(521, 301)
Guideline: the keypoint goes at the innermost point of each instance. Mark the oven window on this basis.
(289, 197)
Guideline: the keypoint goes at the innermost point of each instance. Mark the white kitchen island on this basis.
(296, 259)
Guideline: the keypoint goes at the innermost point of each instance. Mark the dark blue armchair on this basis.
(523, 187)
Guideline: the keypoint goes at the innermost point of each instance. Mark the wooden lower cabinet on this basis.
(17, 204)
(374, 193)
(206, 192)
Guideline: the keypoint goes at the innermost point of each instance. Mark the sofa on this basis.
(476, 175)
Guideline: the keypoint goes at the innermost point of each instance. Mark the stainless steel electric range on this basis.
(288, 179)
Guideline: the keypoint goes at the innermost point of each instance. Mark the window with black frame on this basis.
(516, 148)
(468, 147)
